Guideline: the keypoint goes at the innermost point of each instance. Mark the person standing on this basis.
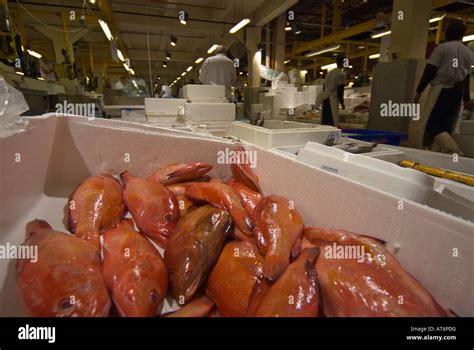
(219, 70)
(166, 91)
(121, 83)
(448, 72)
(333, 93)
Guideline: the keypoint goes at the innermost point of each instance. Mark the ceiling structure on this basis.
(314, 25)
(143, 28)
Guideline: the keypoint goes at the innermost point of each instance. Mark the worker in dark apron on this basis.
(448, 72)
(333, 94)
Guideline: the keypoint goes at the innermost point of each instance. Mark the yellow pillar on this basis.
(66, 34)
(21, 28)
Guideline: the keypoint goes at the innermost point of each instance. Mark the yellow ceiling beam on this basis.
(354, 30)
(107, 14)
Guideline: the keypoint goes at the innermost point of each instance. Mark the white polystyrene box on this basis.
(163, 106)
(210, 111)
(198, 92)
(58, 153)
(391, 178)
(279, 133)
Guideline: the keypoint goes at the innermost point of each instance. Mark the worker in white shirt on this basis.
(219, 70)
(166, 91)
(121, 83)
(448, 71)
(333, 93)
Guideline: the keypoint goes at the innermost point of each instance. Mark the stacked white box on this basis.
(207, 112)
(313, 91)
(204, 93)
(164, 107)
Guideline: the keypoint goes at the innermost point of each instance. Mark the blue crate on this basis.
(375, 136)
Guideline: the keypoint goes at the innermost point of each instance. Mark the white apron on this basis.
(333, 100)
(417, 129)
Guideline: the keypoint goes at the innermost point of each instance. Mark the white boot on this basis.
(447, 144)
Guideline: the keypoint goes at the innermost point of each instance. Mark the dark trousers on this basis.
(445, 111)
(327, 113)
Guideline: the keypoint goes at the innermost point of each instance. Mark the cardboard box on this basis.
(58, 153)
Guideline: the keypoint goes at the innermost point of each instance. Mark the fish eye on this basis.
(169, 218)
(65, 304)
(154, 296)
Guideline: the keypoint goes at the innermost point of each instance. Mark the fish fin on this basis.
(296, 250)
(274, 266)
(125, 177)
(259, 291)
(36, 225)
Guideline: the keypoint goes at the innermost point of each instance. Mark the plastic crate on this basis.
(383, 137)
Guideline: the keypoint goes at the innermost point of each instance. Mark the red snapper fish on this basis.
(66, 280)
(134, 271)
(95, 206)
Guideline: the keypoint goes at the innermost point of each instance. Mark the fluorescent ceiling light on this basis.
(183, 74)
(287, 61)
(437, 18)
(120, 55)
(374, 56)
(106, 29)
(381, 34)
(298, 32)
(34, 54)
(328, 49)
(190, 68)
(178, 78)
(39, 78)
(468, 38)
(329, 66)
(20, 73)
(239, 25)
(131, 71)
(199, 60)
(212, 49)
(288, 27)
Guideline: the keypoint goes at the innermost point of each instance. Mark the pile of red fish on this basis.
(229, 251)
